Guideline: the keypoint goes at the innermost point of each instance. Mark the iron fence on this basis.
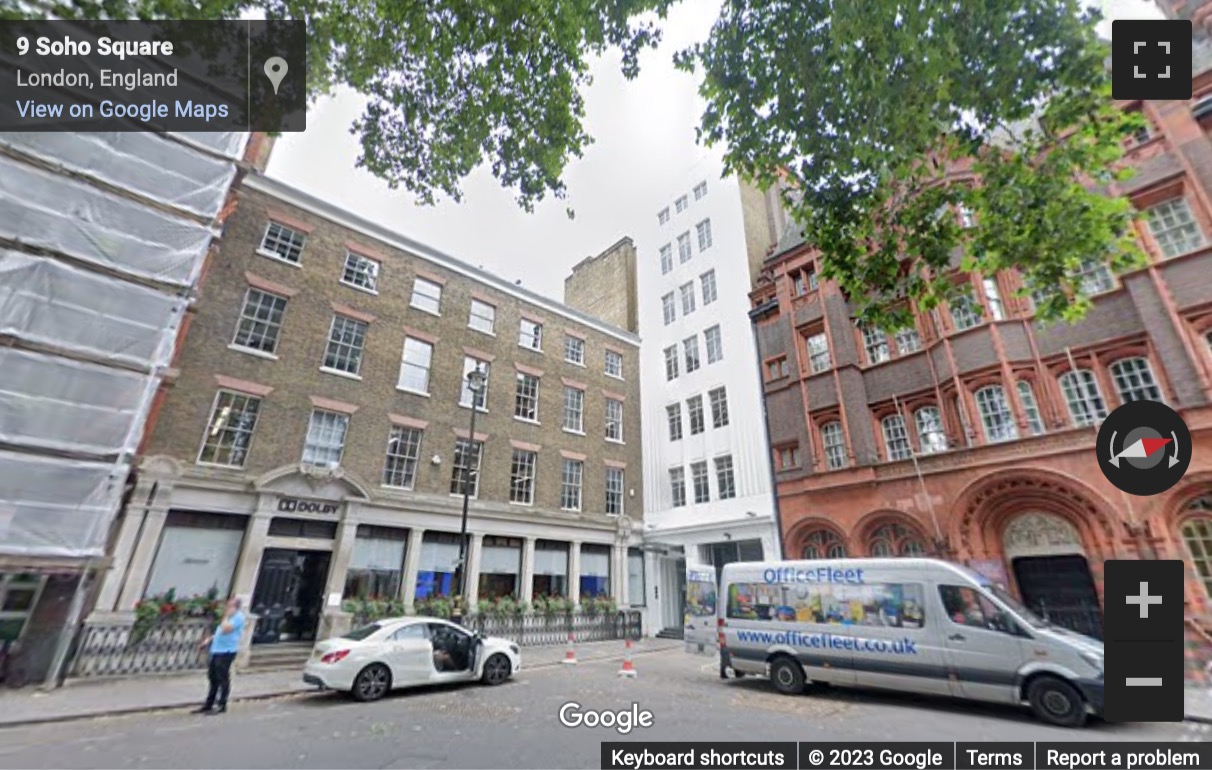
(540, 630)
(123, 649)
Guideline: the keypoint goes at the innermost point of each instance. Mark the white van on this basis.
(918, 625)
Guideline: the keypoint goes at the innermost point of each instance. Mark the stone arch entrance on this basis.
(1052, 571)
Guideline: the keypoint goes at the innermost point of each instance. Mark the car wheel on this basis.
(371, 683)
(496, 670)
(787, 675)
(1057, 702)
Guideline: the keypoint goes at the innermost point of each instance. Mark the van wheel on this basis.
(787, 675)
(1057, 702)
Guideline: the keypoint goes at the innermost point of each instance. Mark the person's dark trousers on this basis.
(219, 674)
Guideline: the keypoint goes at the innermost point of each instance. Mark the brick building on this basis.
(605, 287)
(971, 435)
(316, 442)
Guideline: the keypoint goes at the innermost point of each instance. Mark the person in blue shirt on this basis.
(224, 644)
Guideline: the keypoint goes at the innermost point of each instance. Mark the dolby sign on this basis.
(291, 505)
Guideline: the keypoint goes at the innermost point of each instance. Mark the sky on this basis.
(644, 143)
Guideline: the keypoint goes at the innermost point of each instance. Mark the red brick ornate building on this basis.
(972, 434)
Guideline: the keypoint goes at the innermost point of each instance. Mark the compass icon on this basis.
(1144, 448)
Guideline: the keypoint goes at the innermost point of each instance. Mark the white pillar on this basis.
(342, 552)
(124, 551)
(250, 557)
(527, 592)
(412, 564)
(143, 558)
(624, 577)
(473, 570)
(574, 571)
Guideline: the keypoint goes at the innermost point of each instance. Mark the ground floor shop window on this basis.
(376, 567)
(729, 551)
(595, 571)
(19, 594)
(436, 569)
(635, 578)
(197, 554)
(550, 569)
(500, 567)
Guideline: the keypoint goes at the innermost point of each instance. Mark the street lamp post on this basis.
(476, 380)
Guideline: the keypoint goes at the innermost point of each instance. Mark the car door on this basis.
(455, 641)
(984, 646)
(409, 654)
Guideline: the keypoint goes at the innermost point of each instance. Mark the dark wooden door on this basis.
(274, 596)
(1061, 590)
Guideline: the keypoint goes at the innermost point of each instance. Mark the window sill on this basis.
(392, 488)
(363, 289)
(481, 331)
(412, 392)
(574, 432)
(479, 409)
(339, 373)
(469, 497)
(531, 349)
(618, 377)
(618, 441)
(524, 420)
(427, 311)
(219, 466)
(575, 363)
(522, 505)
(252, 352)
(276, 257)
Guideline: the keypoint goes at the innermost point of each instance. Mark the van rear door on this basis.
(699, 630)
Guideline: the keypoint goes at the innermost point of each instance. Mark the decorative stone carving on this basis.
(161, 467)
(981, 506)
(306, 480)
(1035, 533)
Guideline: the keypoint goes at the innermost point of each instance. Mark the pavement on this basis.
(1199, 704)
(517, 725)
(86, 699)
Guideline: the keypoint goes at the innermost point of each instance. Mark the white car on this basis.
(389, 654)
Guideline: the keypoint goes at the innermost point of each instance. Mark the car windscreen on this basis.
(365, 632)
(1016, 606)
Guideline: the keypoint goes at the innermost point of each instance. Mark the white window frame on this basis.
(896, 438)
(460, 472)
(964, 315)
(335, 432)
(669, 309)
(421, 299)
(228, 431)
(617, 370)
(694, 405)
(725, 478)
(574, 350)
(407, 366)
(671, 363)
(1083, 396)
(677, 487)
(1094, 277)
(833, 439)
(532, 340)
(700, 482)
(685, 249)
(259, 327)
(993, 299)
(718, 399)
(931, 436)
(680, 204)
(466, 397)
(572, 484)
(666, 259)
(687, 292)
(482, 317)
(1175, 229)
(526, 397)
(346, 342)
(663, 216)
(1134, 380)
(673, 418)
(614, 491)
(402, 465)
(875, 343)
(523, 465)
(700, 191)
(708, 286)
(690, 351)
(703, 231)
(997, 418)
(713, 339)
(285, 237)
(574, 406)
(361, 272)
(614, 420)
(819, 359)
(1026, 398)
(908, 341)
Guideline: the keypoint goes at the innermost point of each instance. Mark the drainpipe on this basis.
(754, 315)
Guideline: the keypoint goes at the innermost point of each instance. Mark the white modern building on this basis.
(708, 485)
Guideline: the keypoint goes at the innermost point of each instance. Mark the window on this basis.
(725, 480)
(715, 344)
(570, 484)
(694, 406)
(703, 230)
(325, 439)
(995, 414)
(614, 364)
(614, 420)
(671, 363)
(896, 540)
(1197, 535)
(465, 470)
(680, 204)
(403, 451)
(427, 296)
(700, 190)
(614, 491)
(346, 338)
(663, 215)
(787, 457)
(908, 341)
(1134, 380)
(687, 291)
(1026, 397)
(700, 482)
(1173, 227)
(993, 300)
(677, 487)
(1083, 396)
(233, 419)
(931, 437)
(719, 407)
(483, 317)
(690, 347)
(1094, 277)
(19, 594)
(823, 544)
(526, 398)
(530, 334)
(776, 368)
(966, 607)
(707, 280)
(414, 367)
(666, 259)
(799, 284)
(684, 252)
(896, 440)
(835, 445)
(376, 565)
(521, 476)
(260, 321)
(361, 272)
(962, 314)
(574, 409)
(673, 415)
(813, 281)
(669, 308)
(574, 350)
(470, 365)
(818, 353)
(283, 243)
(876, 343)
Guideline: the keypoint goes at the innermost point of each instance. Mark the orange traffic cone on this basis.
(571, 655)
(627, 670)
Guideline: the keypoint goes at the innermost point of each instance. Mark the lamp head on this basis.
(476, 379)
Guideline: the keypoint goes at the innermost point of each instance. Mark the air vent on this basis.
(1202, 108)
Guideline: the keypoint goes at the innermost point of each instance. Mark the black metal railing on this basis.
(126, 649)
(533, 630)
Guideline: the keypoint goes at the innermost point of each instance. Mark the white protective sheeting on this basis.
(56, 213)
(229, 144)
(55, 403)
(57, 507)
(146, 164)
(50, 303)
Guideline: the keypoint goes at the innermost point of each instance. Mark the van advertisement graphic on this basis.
(873, 605)
(700, 620)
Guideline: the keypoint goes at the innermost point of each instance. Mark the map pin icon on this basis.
(275, 70)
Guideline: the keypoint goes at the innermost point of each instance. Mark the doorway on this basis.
(1061, 590)
(289, 596)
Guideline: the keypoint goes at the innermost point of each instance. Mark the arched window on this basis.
(896, 540)
(930, 434)
(823, 544)
(1197, 535)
